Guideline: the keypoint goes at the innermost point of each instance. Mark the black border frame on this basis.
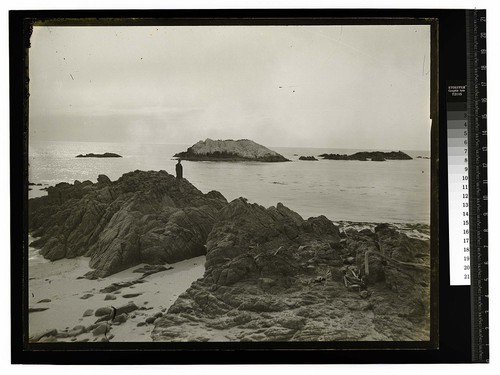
(451, 344)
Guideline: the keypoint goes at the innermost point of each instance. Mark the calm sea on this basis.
(391, 191)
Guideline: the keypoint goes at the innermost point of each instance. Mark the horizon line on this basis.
(275, 146)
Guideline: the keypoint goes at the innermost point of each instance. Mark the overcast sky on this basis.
(315, 86)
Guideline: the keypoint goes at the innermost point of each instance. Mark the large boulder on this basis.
(143, 217)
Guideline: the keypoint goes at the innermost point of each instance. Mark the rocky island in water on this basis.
(308, 158)
(369, 155)
(105, 155)
(230, 150)
(268, 275)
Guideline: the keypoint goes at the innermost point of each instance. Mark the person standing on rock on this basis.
(178, 169)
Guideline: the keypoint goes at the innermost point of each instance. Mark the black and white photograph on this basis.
(230, 183)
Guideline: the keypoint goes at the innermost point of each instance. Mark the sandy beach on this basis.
(59, 290)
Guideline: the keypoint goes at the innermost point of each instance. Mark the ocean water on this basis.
(391, 191)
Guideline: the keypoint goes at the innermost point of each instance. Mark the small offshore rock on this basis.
(45, 300)
(86, 296)
(150, 320)
(109, 297)
(104, 155)
(308, 158)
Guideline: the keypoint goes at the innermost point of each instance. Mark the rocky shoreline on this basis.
(269, 274)
(143, 217)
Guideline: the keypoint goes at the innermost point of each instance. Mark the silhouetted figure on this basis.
(178, 169)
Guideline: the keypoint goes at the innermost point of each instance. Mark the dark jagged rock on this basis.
(230, 150)
(308, 158)
(272, 276)
(105, 155)
(372, 155)
(143, 217)
(101, 179)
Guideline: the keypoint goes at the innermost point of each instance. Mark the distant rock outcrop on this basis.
(308, 158)
(272, 276)
(105, 155)
(369, 155)
(143, 217)
(230, 150)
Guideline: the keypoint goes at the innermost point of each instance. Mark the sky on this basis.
(363, 87)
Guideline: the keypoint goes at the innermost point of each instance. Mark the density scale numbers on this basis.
(467, 182)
